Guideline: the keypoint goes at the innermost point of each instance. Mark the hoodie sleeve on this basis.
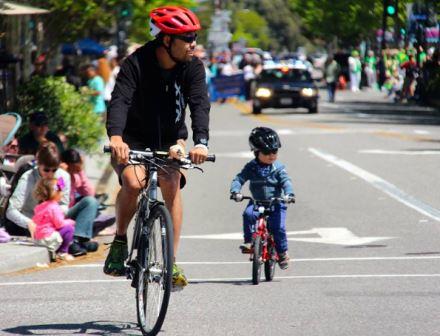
(240, 179)
(285, 181)
(17, 200)
(122, 96)
(198, 102)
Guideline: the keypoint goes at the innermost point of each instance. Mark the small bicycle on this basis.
(151, 268)
(263, 244)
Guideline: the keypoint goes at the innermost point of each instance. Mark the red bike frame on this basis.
(266, 238)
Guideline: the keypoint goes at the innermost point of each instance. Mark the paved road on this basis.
(364, 236)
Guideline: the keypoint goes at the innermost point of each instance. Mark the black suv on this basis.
(284, 85)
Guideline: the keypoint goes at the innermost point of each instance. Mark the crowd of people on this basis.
(51, 200)
(401, 73)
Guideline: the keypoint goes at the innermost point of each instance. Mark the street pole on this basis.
(384, 25)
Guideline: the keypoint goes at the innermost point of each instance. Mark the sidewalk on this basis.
(22, 254)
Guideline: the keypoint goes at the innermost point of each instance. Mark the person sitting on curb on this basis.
(52, 229)
(22, 203)
(38, 133)
(82, 188)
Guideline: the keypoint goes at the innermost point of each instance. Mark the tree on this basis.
(348, 21)
(250, 26)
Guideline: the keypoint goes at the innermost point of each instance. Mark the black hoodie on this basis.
(148, 103)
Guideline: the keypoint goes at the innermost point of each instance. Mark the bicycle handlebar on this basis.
(269, 201)
(148, 154)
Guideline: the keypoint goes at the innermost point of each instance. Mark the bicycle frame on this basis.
(262, 230)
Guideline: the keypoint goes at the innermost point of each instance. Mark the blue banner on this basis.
(227, 86)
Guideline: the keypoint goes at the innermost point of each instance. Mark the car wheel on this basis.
(256, 109)
(313, 108)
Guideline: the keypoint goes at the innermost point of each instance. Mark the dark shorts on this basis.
(171, 169)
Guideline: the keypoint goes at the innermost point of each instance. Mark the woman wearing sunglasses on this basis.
(147, 110)
(22, 202)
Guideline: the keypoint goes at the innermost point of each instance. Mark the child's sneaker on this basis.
(246, 248)
(283, 260)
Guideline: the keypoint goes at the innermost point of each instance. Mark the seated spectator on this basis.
(81, 187)
(22, 203)
(38, 133)
(9, 153)
(52, 229)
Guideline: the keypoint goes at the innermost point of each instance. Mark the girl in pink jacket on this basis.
(53, 229)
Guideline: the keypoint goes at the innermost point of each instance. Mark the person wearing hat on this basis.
(38, 133)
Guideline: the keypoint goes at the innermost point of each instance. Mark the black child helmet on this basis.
(264, 139)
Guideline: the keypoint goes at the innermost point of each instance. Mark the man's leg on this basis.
(170, 188)
(131, 178)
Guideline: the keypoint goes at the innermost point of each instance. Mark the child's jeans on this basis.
(276, 225)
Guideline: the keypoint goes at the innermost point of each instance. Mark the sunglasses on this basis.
(186, 38)
(50, 170)
(268, 152)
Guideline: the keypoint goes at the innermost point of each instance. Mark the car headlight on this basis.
(309, 92)
(263, 93)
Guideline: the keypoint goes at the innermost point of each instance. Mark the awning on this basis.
(10, 8)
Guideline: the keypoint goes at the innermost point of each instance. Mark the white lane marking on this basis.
(396, 152)
(381, 184)
(336, 236)
(293, 277)
(423, 132)
(291, 260)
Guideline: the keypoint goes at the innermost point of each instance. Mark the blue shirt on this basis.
(97, 84)
(265, 181)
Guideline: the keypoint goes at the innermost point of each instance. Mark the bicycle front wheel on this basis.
(155, 257)
(256, 261)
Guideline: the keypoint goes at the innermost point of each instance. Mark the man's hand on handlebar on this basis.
(198, 154)
(237, 197)
(177, 151)
(120, 149)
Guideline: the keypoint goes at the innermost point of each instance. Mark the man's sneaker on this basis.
(77, 250)
(115, 263)
(179, 279)
(283, 260)
(246, 248)
(90, 245)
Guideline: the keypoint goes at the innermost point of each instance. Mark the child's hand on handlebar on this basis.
(237, 197)
(289, 198)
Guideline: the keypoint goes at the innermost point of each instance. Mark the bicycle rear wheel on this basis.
(256, 261)
(269, 265)
(155, 257)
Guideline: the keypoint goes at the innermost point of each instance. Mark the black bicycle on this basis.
(150, 268)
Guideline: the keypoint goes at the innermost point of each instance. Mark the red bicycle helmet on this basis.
(173, 20)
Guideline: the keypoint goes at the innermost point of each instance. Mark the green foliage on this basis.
(347, 20)
(283, 29)
(250, 26)
(68, 111)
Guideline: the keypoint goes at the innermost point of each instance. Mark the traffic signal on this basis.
(390, 7)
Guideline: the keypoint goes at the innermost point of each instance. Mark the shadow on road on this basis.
(89, 328)
(230, 282)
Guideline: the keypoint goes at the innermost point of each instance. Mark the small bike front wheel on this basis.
(269, 265)
(155, 257)
(256, 261)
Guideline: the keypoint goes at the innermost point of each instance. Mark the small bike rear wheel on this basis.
(155, 257)
(269, 265)
(256, 261)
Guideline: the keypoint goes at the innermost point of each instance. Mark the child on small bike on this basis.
(267, 178)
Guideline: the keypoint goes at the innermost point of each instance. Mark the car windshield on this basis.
(286, 75)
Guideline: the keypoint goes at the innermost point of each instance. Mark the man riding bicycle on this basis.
(147, 110)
